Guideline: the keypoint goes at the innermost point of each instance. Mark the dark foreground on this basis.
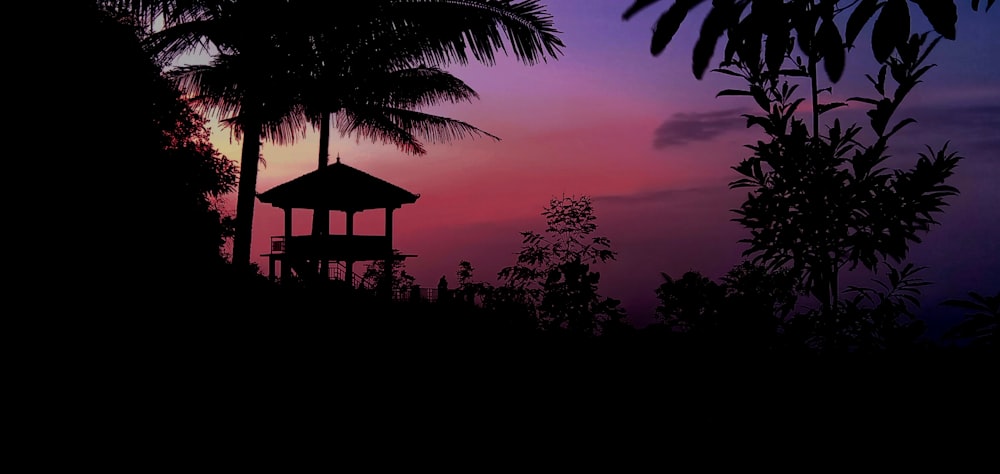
(272, 384)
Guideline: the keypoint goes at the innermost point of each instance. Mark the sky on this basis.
(652, 146)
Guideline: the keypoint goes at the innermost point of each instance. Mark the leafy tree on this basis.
(552, 274)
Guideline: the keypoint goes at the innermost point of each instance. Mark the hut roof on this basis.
(337, 187)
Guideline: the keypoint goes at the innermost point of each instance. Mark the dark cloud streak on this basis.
(687, 127)
(659, 195)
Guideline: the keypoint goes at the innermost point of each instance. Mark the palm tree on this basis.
(268, 54)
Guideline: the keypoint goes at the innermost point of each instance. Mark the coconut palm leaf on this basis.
(408, 88)
(420, 86)
(453, 28)
(403, 127)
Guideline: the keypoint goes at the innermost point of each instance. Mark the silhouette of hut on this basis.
(335, 187)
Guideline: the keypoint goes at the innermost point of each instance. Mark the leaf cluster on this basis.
(762, 33)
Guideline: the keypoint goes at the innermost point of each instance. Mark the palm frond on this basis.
(167, 45)
(219, 91)
(285, 64)
(403, 127)
(212, 90)
(444, 30)
(169, 12)
(418, 87)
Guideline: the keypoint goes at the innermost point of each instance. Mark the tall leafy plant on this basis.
(823, 198)
(820, 202)
(553, 277)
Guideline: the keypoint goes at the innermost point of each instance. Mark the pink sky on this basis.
(585, 124)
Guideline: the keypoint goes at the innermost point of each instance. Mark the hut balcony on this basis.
(332, 247)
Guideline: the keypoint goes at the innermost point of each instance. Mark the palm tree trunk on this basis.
(246, 194)
(321, 217)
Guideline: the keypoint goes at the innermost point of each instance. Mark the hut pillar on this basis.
(349, 265)
(286, 267)
(387, 278)
(321, 227)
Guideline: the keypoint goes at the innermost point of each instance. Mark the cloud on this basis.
(660, 195)
(688, 127)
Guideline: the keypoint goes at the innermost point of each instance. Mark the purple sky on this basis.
(653, 147)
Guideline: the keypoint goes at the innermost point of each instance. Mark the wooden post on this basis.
(388, 225)
(286, 268)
